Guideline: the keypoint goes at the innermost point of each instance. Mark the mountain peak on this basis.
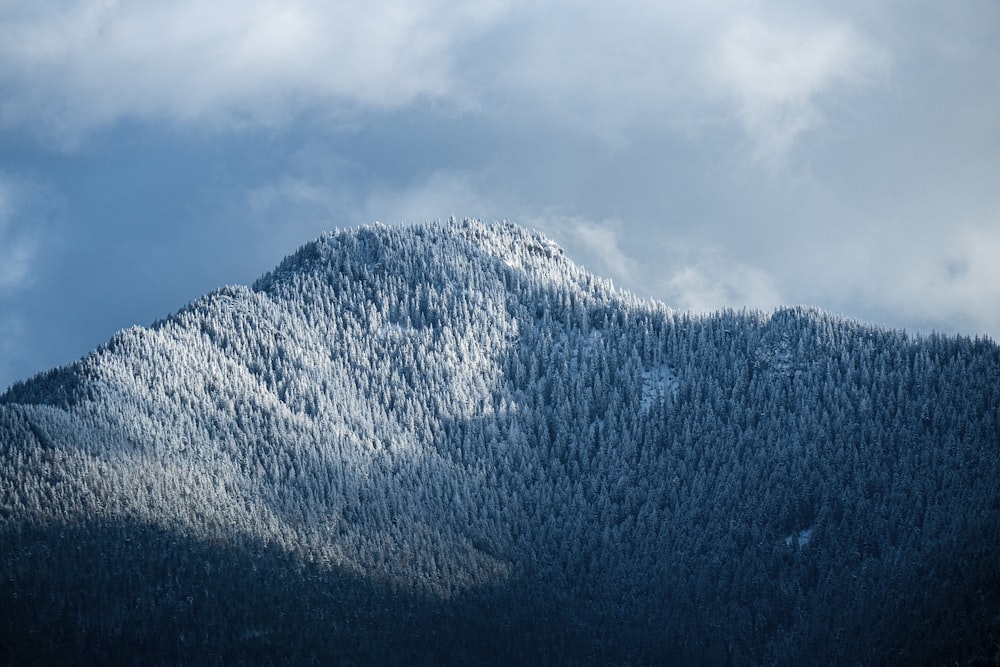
(449, 441)
(452, 253)
(380, 247)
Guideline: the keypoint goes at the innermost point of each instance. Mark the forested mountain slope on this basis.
(448, 443)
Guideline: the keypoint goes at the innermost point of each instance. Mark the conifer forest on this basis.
(447, 443)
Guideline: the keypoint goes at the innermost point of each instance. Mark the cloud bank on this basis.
(90, 63)
(87, 64)
(778, 76)
(18, 244)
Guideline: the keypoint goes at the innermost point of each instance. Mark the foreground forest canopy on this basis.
(447, 443)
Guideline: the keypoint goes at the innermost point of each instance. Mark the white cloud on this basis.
(950, 282)
(707, 278)
(630, 69)
(15, 262)
(87, 63)
(596, 245)
(595, 66)
(18, 249)
(294, 208)
(12, 335)
(603, 241)
(293, 196)
(17, 245)
(69, 67)
(685, 275)
(441, 195)
(777, 75)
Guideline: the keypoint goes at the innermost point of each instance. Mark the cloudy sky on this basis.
(708, 154)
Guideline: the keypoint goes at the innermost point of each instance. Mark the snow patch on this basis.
(395, 329)
(800, 539)
(658, 383)
(513, 262)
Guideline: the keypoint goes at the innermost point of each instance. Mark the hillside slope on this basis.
(448, 443)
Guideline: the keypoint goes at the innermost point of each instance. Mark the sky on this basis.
(707, 154)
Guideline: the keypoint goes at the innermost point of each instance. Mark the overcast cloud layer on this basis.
(707, 154)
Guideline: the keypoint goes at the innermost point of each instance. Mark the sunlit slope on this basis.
(450, 429)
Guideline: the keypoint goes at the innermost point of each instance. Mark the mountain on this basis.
(447, 443)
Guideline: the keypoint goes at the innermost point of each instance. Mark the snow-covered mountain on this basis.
(448, 443)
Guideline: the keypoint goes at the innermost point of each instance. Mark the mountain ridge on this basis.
(454, 416)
